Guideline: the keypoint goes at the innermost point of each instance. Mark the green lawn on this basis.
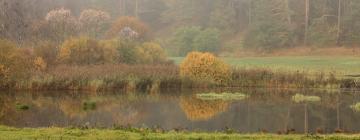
(7, 133)
(340, 65)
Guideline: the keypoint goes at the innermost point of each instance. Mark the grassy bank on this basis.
(7, 133)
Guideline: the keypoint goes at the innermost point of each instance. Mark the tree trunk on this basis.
(306, 121)
(307, 4)
(137, 8)
(339, 23)
(338, 111)
(122, 7)
(250, 13)
(287, 4)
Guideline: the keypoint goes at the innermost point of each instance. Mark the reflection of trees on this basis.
(199, 110)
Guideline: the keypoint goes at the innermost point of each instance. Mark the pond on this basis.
(266, 110)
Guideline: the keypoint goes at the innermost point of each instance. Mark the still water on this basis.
(264, 110)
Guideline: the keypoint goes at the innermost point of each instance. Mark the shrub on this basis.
(129, 23)
(14, 64)
(154, 53)
(94, 22)
(47, 52)
(127, 51)
(40, 64)
(205, 66)
(85, 51)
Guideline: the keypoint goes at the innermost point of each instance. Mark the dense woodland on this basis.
(185, 25)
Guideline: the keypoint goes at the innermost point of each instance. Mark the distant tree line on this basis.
(264, 24)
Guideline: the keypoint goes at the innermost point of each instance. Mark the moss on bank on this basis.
(8, 133)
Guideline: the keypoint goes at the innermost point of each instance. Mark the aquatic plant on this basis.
(221, 96)
(89, 105)
(21, 107)
(299, 98)
(356, 107)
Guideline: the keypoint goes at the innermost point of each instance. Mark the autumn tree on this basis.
(127, 23)
(15, 63)
(85, 51)
(94, 22)
(61, 24)
(205, 66)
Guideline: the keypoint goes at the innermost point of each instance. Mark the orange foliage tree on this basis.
(129, 22)
(205, 66)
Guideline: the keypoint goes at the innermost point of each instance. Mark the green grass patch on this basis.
(299, 98)
(221, 96)
(7, 133)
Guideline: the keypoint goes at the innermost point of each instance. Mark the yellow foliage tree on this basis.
(40, 64)
(86, 51)
(14, 64)
(4, 72)
(154, 52)
(205, 66)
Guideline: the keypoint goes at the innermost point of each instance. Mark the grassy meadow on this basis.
(338, 64)
(9, 133)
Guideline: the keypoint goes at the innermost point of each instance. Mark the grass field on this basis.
(338, 64)
(7, 133)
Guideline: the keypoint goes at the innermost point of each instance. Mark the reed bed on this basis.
(154, 78)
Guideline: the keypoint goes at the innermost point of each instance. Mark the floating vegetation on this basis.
(21, 107)
(89, 105)
(221, 96)
(356, 107)
(299, 98)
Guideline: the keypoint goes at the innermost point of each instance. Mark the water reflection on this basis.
(202, 110)
(264, 110)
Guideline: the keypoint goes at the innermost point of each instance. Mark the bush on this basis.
(40, 64)
(14, 62)
(153, 53)
(47, 52)
(206, 67)
(129, 23)
(126, 51)
(85, 51)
